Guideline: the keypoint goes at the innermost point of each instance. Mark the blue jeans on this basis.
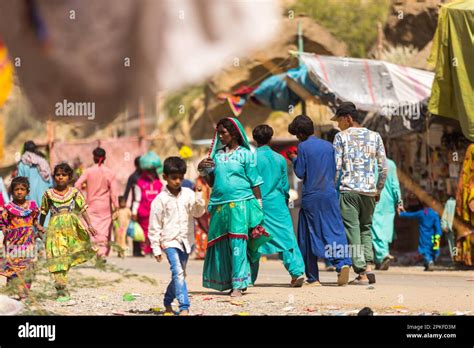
(177, 288)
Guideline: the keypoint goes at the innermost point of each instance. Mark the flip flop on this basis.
(297, 282)
(343, 276)
(385, 263)
(315, 283)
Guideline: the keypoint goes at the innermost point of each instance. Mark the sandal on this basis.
(315, 283)
(343, 276)
(297, 282)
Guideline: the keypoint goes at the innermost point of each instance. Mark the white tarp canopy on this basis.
(372, 85)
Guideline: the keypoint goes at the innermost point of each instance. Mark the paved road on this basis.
(400, 290)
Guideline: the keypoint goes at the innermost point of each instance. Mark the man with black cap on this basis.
(359, 155)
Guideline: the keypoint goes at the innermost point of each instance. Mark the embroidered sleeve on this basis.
(80, 202)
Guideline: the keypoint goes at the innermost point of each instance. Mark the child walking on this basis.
(172, 228)
(429, 234)
(67, 240)
(18, 222)
(124, 214)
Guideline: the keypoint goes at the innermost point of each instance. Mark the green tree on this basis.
(351, 21)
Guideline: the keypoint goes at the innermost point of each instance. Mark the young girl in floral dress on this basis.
(67, 240)
(18, 220)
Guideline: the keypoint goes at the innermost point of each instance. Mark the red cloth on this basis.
(288, 149)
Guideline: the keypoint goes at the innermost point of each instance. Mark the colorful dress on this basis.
(146, 189)
(234, 212)
(19, 239)
(384, 214)
(101, 194)
(275, 188)
(67, 241)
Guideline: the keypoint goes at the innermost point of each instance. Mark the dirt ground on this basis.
(398, 291)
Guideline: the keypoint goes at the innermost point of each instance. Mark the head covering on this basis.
(31, 159)
(151, 160)
(346, 108)
(216, 143)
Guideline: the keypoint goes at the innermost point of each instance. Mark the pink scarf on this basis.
(32, 159)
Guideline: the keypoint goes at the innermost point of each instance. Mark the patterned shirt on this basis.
(358, 152)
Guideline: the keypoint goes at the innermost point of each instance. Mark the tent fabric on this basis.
(453, 57)
(274, 92)
(372, 85)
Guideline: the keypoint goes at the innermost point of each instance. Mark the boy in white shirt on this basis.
(172, 227)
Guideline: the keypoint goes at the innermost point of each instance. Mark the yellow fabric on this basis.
(465, 192)
(6, 75)
(452, 56)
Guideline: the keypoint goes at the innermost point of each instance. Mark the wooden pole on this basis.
(301, 50)
(379, 40)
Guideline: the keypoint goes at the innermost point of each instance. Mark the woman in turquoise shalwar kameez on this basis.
(384, 215)
(275, 191)
(235, 207)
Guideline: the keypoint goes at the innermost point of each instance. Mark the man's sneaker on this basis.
(343, 276)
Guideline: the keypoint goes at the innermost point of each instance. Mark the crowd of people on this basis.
(235, 212)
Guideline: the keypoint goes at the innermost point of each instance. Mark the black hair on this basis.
(99, 154)
(19, 180)
(121, 198)
(174, 165)
(66, 168)
(232, 129)
(262, 134)
(356, 116)
(29, 146)
(301, 124)
(137, 162)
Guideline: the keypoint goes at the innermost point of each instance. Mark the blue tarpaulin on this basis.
(274, 92)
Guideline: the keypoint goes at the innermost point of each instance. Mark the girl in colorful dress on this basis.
(67, 240)
(18, 220)
(148, 186)
(235, 207)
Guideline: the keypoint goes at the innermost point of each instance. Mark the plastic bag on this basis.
(135, 232)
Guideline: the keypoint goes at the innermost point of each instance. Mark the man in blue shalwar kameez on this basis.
(320, 229)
